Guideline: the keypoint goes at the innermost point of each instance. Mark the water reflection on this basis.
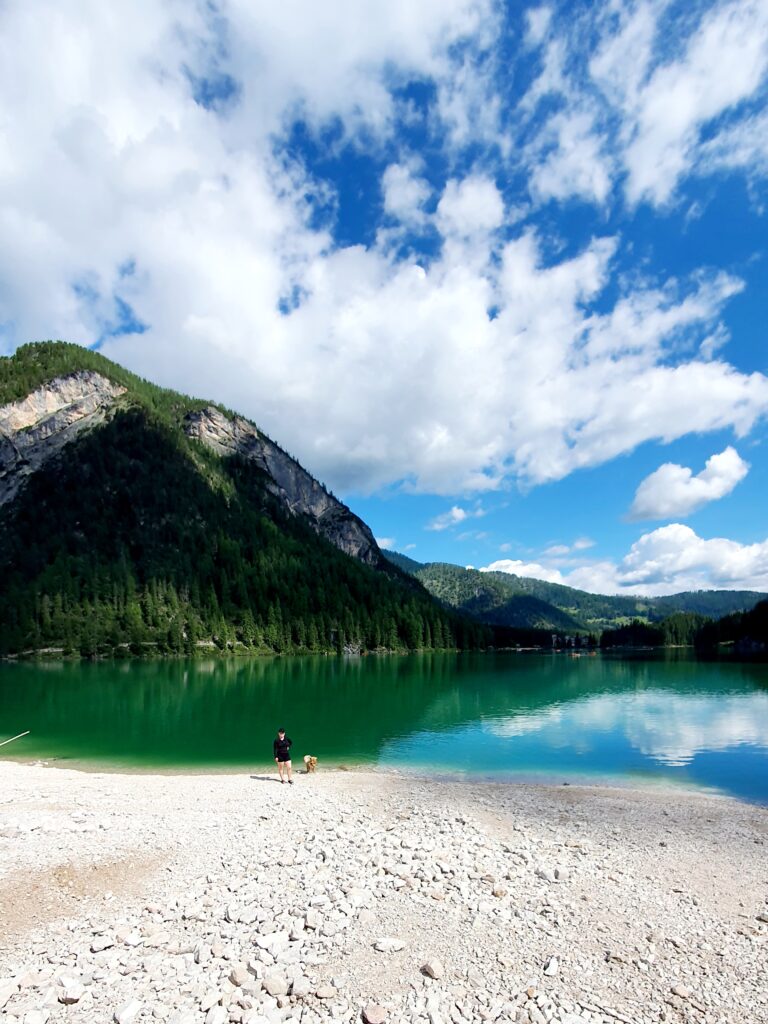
(702, 723)
(667, 727)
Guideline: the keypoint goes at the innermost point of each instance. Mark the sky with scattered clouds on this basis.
(495, 273)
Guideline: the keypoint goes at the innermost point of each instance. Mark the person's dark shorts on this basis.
(282, 760)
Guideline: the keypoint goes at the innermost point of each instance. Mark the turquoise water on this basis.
(667, 719)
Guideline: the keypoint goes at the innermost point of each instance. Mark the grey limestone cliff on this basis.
(297, 491)
(38, 426)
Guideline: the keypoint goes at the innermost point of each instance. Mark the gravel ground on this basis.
(379, 897)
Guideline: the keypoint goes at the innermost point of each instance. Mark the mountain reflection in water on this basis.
(504, 715)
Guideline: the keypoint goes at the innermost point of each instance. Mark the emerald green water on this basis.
(497, 715)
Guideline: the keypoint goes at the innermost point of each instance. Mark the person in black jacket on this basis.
(282, 752)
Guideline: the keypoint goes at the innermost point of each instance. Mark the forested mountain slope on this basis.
(135, 518)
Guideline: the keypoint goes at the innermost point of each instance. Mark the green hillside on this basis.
(488, 597)
(137, 538)
(505, 599)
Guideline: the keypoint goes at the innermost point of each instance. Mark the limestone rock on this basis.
(7, 989)
(128, 1012)
(70, 992)
(298, 492)
(37, 427)
(433, 968)
(552, 967)
(211, 997)
(239, 975)
(276, 984)
(388, 945)
(300, 987)
(37, 1016)
(374, 1014)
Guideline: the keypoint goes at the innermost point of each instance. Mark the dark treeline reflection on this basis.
(225, 712)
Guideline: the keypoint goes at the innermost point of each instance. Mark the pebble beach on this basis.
(378, 897)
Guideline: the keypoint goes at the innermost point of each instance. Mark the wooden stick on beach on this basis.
(15, 738)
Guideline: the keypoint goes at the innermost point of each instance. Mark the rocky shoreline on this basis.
(378, 897)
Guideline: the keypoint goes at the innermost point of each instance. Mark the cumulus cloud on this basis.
(516, 567)
(386, 543)
(405, 193)
(676, 554)
(674, 558)
(673, 490)
(470, 207)
(668, 560)
(149, 201)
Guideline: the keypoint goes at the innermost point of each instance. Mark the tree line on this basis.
(743, 629)
(136, 540)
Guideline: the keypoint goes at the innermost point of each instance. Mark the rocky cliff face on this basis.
(38, 426)
(288, 482)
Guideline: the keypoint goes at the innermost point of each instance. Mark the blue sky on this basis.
(495, 273)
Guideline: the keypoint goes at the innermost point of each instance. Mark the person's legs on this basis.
(289, 766)
(280, 770)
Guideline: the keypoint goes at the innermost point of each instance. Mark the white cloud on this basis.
(673, 490)
(455, 515)
(582, 543)
(676, 554)
(743, 145)
(452, 517)
(724, 63)
(405, 193)
(472, 206)
(559, 551)
(623, 113)
(519, 568)
(537, 24)
(620, 64)
(668, 560)
(674, 558)
(117, 188)
(568, 159)
(386, 543)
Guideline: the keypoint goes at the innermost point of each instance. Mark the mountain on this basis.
(135, 518)
(488, 597)
(500, 598)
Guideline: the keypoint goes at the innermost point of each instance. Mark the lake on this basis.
(666, 718)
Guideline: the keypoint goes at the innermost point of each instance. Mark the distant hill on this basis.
(500, 598)
(403, 562)
(136, 519)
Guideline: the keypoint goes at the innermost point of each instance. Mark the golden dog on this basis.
(310, 763)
